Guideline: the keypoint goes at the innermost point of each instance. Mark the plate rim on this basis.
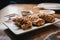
(30, 29)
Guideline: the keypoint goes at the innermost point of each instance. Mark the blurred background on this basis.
(4, 3)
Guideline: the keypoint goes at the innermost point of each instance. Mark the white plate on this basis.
(18, 31)
(46, 12)
(52, 6)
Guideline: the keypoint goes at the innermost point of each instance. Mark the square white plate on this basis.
(15, 29)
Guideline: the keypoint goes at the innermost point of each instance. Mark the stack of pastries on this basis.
(26, 22)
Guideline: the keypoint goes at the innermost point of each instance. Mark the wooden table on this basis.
(39, 34)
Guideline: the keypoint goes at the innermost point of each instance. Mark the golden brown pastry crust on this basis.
(47, 17)
(36, 20)
(23, 23)
(26, 22)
